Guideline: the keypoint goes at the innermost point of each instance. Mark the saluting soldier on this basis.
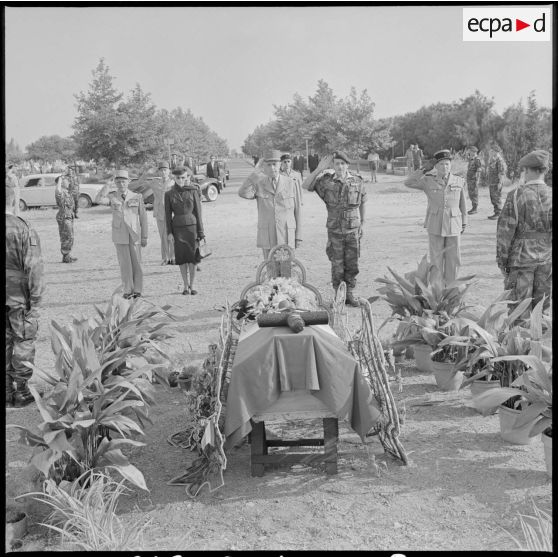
(24, 289)
(279, 205)
(287, 170)
(446, 215)
(496, 173)
(524, 233)
(345, 197)
(474, 168)
(129, 233)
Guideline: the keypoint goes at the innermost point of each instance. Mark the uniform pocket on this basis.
(353, 222)
(353, 195)
(455, 221)
(288, 201)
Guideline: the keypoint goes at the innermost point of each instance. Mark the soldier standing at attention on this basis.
(129, 230)
(496, 172)
(24, 288)
(446, 216)
(474, 168)
(65, 217)
(74, 188)
(524, 233)
(279, 205)
(160, 186)
(295, 176)
(345, 197)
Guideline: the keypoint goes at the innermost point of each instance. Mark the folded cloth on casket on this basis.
(272, 360)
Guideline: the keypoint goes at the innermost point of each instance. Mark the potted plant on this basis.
(16, 526)
(418, 294)
(526, 405)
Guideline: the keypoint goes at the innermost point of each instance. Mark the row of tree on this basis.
(329, 123)
(125, 131)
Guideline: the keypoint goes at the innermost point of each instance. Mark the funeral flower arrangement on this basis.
(276, 295)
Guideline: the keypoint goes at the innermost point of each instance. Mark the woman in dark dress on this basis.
(184, 219)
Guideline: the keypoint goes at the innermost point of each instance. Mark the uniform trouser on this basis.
(129, 259)
(445, 254)
(343, 251)
(496, 196)
(167, 246)
(66, 231)
(530, 282)
(473, 190)
(21, 332)
(410, 167)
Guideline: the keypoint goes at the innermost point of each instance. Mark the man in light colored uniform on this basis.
(279, 205)
(446, 214)
(129, 230)
(287, 170)
(160, 186)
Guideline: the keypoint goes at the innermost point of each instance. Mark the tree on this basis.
(51, 148)
(98, 121)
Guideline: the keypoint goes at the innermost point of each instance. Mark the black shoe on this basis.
(128, 295)
(68, 259)
(472, 211)
(136, 295)
(22, 395)
(350, 300)
(193, 292)
(494, 217)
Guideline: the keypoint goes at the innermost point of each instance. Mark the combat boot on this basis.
(22, 395)
(472, 211)
(494, 217)
(68, 259)
(350, 299)
(9, 391)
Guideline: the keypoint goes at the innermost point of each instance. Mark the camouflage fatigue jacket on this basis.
(66, 205)
(496, 169)
(24, 264)
(524, 233)
(474, 168)
(343, 198)
(73, 188)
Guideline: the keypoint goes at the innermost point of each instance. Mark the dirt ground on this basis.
(464, 486)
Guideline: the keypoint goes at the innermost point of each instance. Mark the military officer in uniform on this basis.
(74, 188)
(287, 170)
(279, 205)
(474, 168)
(446, 213)
(524, 233)
(345, 197)
(496, 173)
(160, 186)
(129, 231)
(24, 289)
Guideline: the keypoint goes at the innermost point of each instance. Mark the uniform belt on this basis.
(535, 234)
(15, 273)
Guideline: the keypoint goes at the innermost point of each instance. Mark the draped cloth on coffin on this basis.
(271, 360)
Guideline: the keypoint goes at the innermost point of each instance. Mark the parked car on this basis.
(37, 190)
(210, 188)
(202, 169)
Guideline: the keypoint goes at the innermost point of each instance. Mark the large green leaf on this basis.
(28, 438)
(132, 474)
(44, 460)
(518, 310)
(494, 397)
(529, 414)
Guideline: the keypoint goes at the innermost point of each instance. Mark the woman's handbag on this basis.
(204, 249)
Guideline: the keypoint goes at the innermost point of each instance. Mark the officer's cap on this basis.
(342, 155)
(272, 156)
(163, 165)
(181, 171)
(286, 157)
(441, 155)
(536, 159)
(122, 173)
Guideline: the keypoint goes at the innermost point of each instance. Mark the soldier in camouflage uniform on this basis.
(74, 188)
(495, 173)
(524, 234)
(65, 217)
(345, 197)
(473, 176)
(24, 287)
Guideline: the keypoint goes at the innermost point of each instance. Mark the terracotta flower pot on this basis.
(422, 357)
(547, 442)
(519, 436)
(447, 378)
(480, 386)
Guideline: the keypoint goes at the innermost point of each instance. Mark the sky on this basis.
(231, 65)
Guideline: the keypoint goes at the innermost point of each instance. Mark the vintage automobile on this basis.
(37, 190)
(210, 187)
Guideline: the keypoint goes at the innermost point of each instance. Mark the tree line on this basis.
(113, 129)
(330, 122)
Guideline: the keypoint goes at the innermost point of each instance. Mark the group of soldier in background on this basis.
(524, 231)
